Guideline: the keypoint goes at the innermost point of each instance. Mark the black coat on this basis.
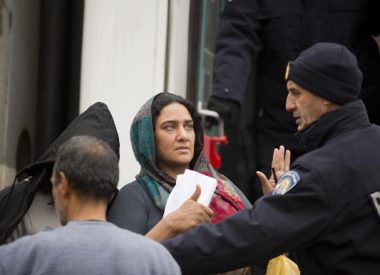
(328, 220)
(15, 200)
(270, 33)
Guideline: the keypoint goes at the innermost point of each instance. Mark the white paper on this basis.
(185, 187)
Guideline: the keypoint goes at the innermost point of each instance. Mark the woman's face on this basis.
(175, 137)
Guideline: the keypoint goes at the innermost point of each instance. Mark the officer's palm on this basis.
(280, 165)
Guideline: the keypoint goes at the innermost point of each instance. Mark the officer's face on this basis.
(174, 135)
(305, 106)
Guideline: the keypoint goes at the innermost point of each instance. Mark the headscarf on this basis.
(158, 184)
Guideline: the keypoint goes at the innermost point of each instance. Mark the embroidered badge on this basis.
(376, 201)
(286, 182)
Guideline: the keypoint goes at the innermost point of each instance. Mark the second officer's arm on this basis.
(274, 225)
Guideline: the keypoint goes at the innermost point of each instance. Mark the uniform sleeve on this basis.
(274, 225)
(130, 210)
(237, 44)
(374, 18)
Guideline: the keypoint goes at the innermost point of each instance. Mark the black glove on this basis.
(226, 108)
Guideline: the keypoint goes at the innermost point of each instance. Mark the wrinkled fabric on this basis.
(15, 200)
(328, 222)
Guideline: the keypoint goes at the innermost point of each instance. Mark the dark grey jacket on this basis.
(15, 200)
(270, 33)
(135, 210)
(330, 220)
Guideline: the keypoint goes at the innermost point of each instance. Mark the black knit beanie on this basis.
(328, 70)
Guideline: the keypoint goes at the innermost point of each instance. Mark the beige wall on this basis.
(19, 51)
(4, 91)
(128, 65)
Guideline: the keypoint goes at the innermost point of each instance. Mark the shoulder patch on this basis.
(376, 201)
(286, 182)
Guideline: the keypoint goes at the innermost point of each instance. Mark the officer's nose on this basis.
(290, 105)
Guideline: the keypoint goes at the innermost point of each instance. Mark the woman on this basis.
(167, 138)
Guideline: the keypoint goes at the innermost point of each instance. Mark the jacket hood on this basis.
(96, 121)
(16, 199)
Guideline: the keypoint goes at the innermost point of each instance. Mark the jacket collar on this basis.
(346, 118)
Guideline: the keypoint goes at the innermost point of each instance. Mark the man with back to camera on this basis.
(328, 217)
(84, 179)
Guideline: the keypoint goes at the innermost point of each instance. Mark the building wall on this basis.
(132, 50)
(19, 51)
(177, 41)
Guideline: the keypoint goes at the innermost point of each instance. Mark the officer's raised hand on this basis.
(280, 165)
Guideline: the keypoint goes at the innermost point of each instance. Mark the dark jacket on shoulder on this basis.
(16, 199)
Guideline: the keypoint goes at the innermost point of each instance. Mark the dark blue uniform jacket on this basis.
(270, 33)
(328, 220)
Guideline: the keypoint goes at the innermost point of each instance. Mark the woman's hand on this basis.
(188, 216)
(280, 165)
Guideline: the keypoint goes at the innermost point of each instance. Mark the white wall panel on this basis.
(123, 63)
(178, 46)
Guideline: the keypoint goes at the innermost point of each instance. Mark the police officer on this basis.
(325, 210)
(262, 36)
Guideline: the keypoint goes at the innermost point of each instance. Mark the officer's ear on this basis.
(329, 106)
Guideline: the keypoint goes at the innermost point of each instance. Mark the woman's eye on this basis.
(169, 127)
(189, 126)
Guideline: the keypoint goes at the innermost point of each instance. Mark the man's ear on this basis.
(112, 197)
(64, 186)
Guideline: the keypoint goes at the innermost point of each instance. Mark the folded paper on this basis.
(185, 187)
